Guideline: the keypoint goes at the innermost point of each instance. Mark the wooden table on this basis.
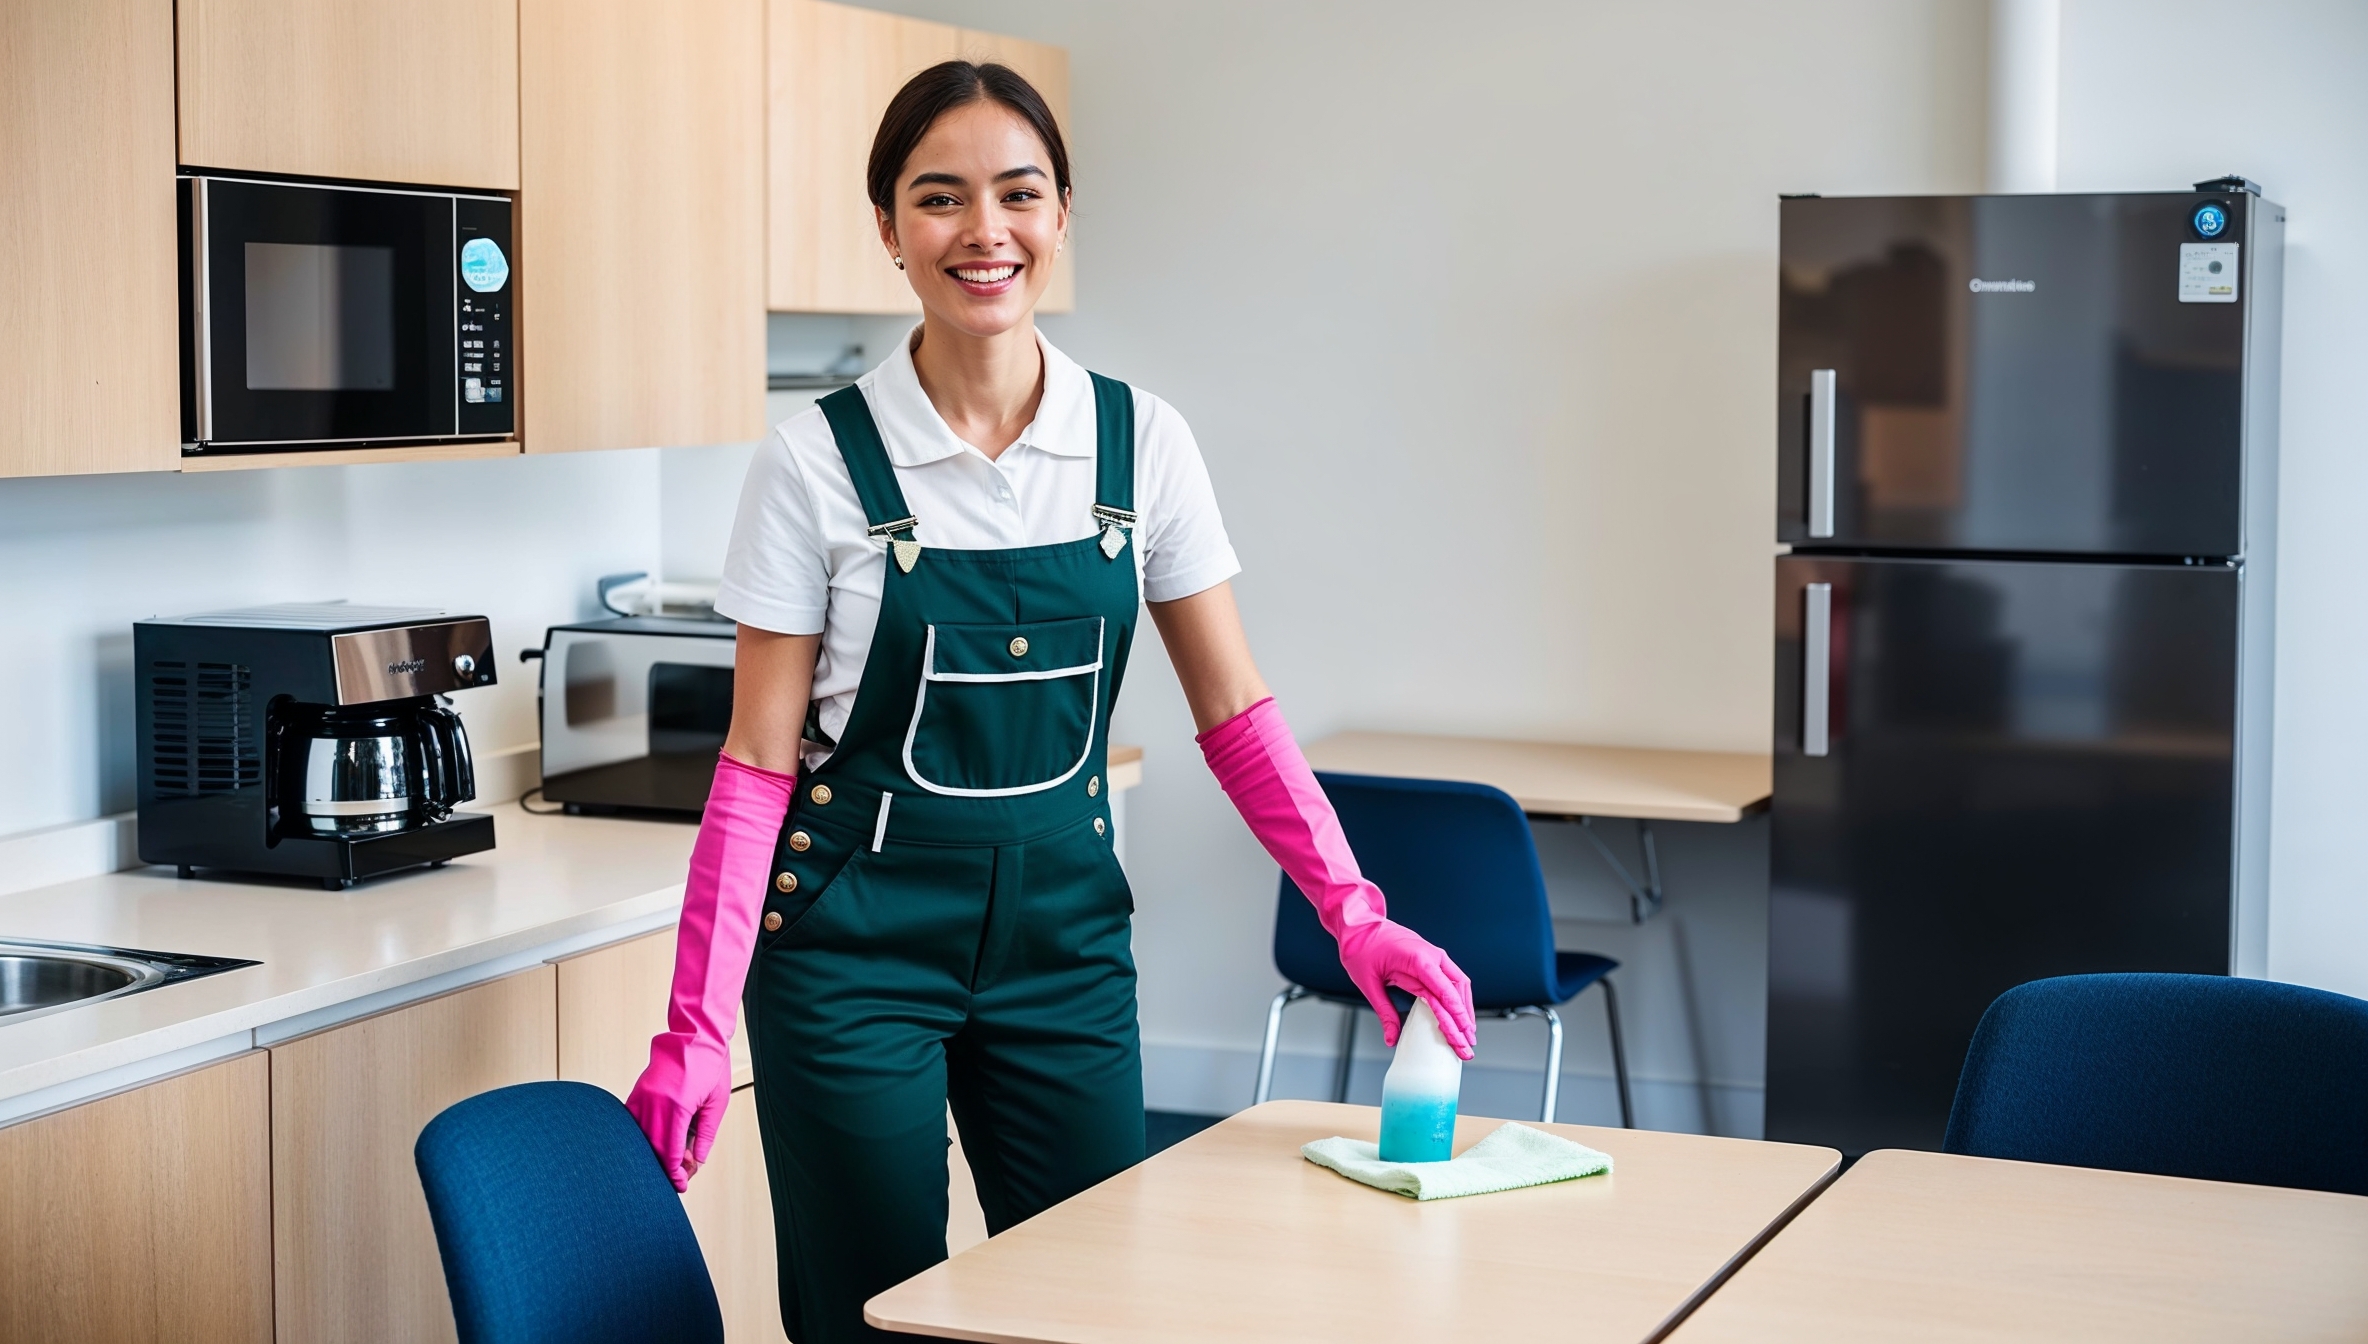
(1933, 1247)
(1567, 780)
(1231, 1235)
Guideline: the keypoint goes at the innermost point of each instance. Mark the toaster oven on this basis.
(634, 710)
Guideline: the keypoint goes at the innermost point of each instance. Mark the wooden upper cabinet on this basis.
(832, 70)
(89, 336)
(641, 223)
(383, 90)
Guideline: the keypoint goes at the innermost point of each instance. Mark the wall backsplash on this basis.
(518, 540)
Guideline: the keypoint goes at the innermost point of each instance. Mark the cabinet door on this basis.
(354, 1251)
(833, 69)
(611, 1001)
(641, 223)
(89, 343)
(731, 1208)
(143, 1216)
(423, 91)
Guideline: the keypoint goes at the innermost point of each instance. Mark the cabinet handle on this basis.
(1821, 452)
(1817, 648)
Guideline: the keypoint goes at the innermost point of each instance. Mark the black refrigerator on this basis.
(2027, 478)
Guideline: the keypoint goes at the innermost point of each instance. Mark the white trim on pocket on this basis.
(929, 673)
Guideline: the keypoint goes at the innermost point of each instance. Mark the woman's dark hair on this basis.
(940, 89)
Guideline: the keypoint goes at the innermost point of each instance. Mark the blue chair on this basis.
(556, 1223)
(2205, 1076)
(1459, 866)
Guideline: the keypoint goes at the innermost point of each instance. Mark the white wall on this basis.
(2162, 93)
(518, 540)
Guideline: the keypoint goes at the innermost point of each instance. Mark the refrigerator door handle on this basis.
(1821, 452)
(1817, 630)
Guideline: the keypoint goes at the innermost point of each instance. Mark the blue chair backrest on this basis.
(1457, 864)
(2178, 1075)
(557, 1223)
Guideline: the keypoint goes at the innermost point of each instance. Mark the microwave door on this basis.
(327, 314)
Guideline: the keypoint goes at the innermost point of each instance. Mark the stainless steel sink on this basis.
(38, 978)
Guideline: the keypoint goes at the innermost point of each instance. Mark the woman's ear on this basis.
(887, 225)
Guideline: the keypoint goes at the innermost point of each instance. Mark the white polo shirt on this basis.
(801, 561)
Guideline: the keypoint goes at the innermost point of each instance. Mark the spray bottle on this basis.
(1418, 1093)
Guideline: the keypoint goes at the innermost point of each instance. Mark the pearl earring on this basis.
(899, 262)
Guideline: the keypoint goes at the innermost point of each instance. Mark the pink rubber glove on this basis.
(680, 1098)
(1260, 767)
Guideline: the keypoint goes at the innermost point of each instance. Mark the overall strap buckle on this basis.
(906, 550)
(874, 475)
(1116, 523)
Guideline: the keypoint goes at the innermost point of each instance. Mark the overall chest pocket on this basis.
(1005, 709)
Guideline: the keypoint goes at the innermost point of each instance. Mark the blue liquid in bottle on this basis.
(1417, 1128)
(1418, 1094)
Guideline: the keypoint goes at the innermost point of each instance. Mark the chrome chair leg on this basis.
(1611, 1014)
(1348, 1053)
(1553, 1021)
(1274, 1029)
(1553, 1061)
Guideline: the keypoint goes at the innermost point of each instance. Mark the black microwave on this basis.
(315, 315)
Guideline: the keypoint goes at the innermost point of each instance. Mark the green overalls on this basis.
(953, 924)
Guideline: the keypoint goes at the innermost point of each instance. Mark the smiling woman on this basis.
(994, 110)
(969, 180)
(906, 860)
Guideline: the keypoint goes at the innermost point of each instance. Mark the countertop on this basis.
(548, 881)
(552, 885)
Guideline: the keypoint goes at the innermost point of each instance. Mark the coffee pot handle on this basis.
(451, 777)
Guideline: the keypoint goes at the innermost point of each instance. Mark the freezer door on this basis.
(2026, 771)
(2014, 373)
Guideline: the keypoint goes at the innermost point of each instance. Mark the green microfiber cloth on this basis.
(1512, 1157)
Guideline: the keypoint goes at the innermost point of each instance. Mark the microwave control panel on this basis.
(487, 384)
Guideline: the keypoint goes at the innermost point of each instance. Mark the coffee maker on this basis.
(307, 739)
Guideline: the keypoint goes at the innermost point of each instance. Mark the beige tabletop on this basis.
(1933, 1247)
(1232, 1235)
(1564, 779)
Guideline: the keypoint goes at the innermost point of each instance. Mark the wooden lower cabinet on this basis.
(353, 1250)
(611, 1001)
(274, 1194)
(731, 1209)
(142, 1216)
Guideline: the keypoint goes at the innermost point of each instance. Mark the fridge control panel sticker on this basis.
(2207, 272)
